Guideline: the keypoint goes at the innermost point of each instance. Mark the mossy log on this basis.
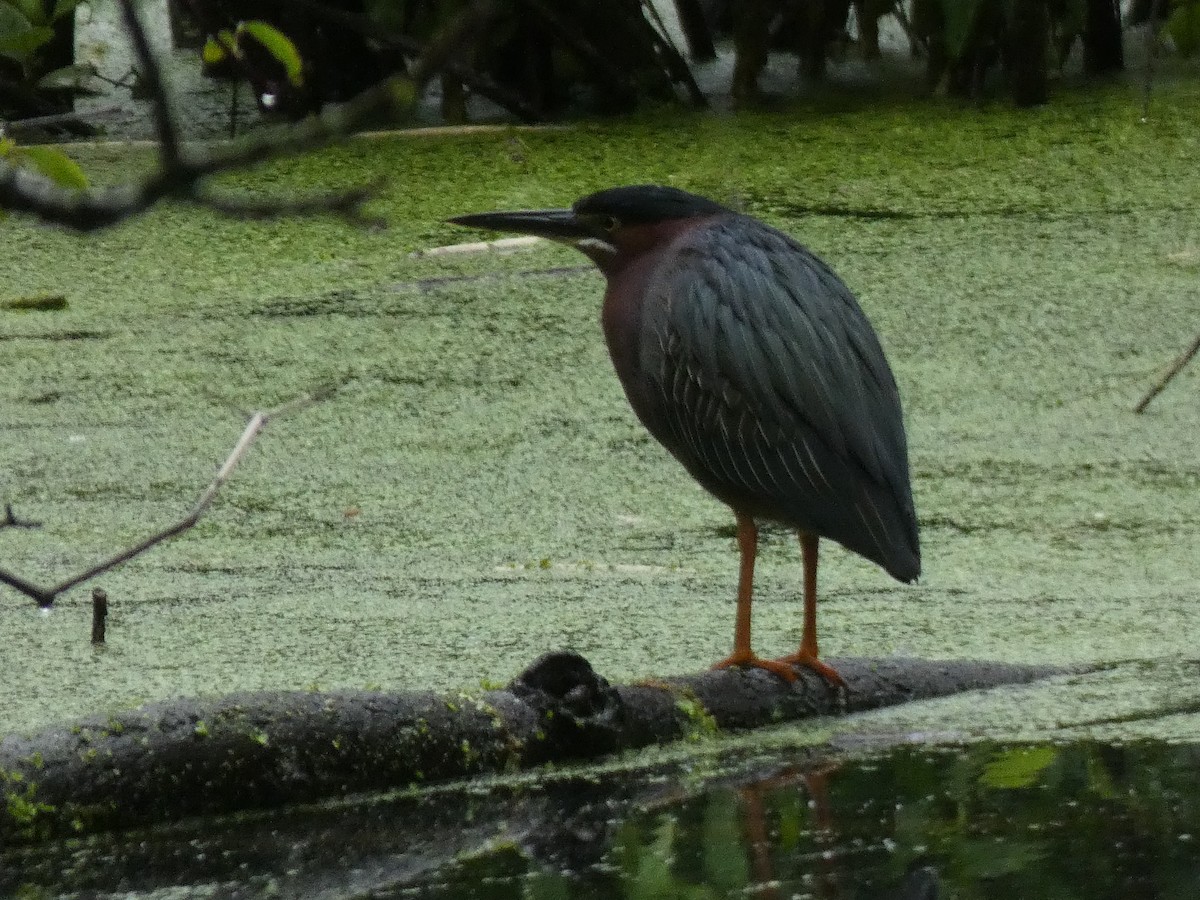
(245, 751)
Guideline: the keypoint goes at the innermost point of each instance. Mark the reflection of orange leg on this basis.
(817, 784)
(825, 833)
(758, 840)
(747, 535)
(807, 655)
(820, 821)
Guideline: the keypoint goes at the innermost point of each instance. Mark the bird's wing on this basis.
(778, 384)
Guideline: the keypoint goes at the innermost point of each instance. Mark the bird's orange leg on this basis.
(747, 535)
(807, 655)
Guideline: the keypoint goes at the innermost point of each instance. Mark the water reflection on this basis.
(1083, 821)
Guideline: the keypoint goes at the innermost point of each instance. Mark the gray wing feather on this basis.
(776, 388)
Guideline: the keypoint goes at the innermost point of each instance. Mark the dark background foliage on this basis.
(541, 60)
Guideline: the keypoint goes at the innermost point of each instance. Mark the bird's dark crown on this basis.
(644, 203)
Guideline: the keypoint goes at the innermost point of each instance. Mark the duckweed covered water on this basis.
(479, 492)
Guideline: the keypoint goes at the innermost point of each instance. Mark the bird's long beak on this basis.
(554, 224)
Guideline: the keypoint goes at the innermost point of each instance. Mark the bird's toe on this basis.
(776, 667)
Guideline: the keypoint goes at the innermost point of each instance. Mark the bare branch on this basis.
(677, 66)
(11, 521)
(182, 169)
(45, 597)
(346, 205)
(164, 119)
(23, 190)
(28, 588)
(1176, 367)
(57, 119)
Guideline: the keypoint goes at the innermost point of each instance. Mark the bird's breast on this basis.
(622, 318)
(644, 251)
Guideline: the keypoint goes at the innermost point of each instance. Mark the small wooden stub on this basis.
(99, 614)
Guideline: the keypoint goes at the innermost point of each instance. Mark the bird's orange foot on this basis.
(780, 668)
(810, 661)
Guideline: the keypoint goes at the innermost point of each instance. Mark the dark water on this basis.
(1019, 823)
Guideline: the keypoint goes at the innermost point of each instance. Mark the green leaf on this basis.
(63, 8)
(403, 93)
(1017, 768)
(213, 52)
(1184, 28)
(280, 46)
(20, 38)
(56, 166)
(13, 24)
(74, 77)
(21, 46)
(12, 20)
(32, 10)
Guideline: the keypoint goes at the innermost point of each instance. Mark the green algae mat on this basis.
(479, 492)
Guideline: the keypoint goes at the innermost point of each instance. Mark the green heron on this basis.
(753, 364)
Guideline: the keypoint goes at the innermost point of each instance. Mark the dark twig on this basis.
(28, 588)
(916, 44)
(45, 597)
(11, 521)
(1176, 367)
(58, 119)
(347, 205)
(151, 76)
(676, 65)
(696, 31)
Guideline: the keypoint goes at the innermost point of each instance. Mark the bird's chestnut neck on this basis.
(633, 242)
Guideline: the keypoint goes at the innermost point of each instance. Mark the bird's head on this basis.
(607, 224)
